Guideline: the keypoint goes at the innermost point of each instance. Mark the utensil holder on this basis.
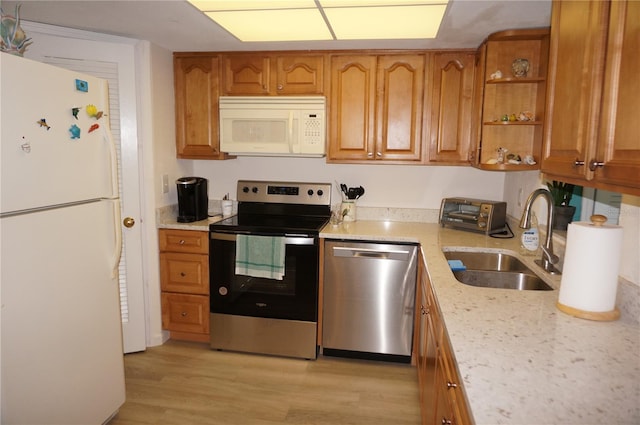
(348, 209)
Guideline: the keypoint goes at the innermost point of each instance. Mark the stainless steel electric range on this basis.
(277, 228)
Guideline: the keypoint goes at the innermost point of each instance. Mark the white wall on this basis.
(401, 186)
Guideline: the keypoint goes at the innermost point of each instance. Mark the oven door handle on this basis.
(288, 240)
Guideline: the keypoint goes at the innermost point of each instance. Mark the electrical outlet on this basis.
(520, 197)
(165, 183)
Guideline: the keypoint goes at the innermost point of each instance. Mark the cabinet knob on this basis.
(369, 155)
(128, 222)
(451, 384)
(182, 274)
(578, 163)
(593, 164)
(379, 154)
(446, 421)
(183, 314)
(181, 242)
(280, 86)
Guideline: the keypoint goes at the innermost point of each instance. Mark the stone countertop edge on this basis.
(521, 359)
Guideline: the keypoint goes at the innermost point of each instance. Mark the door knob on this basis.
(128, 222)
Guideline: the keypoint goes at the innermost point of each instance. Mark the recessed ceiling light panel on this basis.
(371, 23)
(304, 20)
(219, 5)
(274, 25)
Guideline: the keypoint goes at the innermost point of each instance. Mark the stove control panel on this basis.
(284, 192)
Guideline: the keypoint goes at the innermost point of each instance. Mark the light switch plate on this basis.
(165, 183)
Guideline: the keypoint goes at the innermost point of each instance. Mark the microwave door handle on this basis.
(290, 131)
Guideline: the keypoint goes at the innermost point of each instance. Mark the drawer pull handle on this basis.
(451, 384)
(446, 421)
(181, 242)
(183, 314)
(182, 274)
(578, 162)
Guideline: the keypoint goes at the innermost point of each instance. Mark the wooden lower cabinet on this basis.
(442, 398)
(184, 280)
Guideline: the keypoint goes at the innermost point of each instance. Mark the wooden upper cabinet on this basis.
(576, 68)
(299, 74)
(351, 108)
(246, 74)
(196, 102)
(618, 147)
(591, 137)
(376, 108)
(268, 74)
(399, 110)
(448, 124)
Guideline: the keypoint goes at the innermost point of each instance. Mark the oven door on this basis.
(295, 297)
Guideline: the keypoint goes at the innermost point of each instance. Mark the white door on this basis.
(115, 63)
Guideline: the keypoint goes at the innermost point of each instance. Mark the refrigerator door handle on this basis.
(117, 250)
(115, 190)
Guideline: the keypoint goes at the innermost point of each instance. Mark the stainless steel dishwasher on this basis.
(368, 300)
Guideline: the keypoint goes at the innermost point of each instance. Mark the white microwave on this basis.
(273, 126)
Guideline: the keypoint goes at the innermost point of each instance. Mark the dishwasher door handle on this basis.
(339, 251)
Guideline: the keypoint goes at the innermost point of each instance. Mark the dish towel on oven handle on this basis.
(260, 256)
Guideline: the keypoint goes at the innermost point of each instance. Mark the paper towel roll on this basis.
(590, 275)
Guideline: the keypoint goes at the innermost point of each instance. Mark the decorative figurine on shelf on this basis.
(13, 39)
(513, 158)
(520, 67)
(496, 75)
(526, 116)
(502, 152)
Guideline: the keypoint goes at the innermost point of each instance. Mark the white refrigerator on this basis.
(60, 338)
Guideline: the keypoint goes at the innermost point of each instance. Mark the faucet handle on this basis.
(551, 257)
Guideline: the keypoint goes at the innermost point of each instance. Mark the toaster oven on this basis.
(474, 215)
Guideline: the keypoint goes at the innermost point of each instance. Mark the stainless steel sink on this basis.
(495, 261)
(504, 280)
(495, 270)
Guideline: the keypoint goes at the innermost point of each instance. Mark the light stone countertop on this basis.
(522, 360)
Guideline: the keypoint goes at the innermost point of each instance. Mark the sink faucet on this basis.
(548, 257)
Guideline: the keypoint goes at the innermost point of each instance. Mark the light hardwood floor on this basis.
(188, 383)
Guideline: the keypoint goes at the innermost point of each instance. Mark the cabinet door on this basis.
(400, 81)
(576, 57)
(300, 74)
(351, 106)
(444, 404)
(618, 144)
(196, 96)
(451, 94)
(246, 74)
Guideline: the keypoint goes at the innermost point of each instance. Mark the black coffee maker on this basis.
(193, 199)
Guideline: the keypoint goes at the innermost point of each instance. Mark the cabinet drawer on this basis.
(184, 241)
(188, 273)
(185, 313)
